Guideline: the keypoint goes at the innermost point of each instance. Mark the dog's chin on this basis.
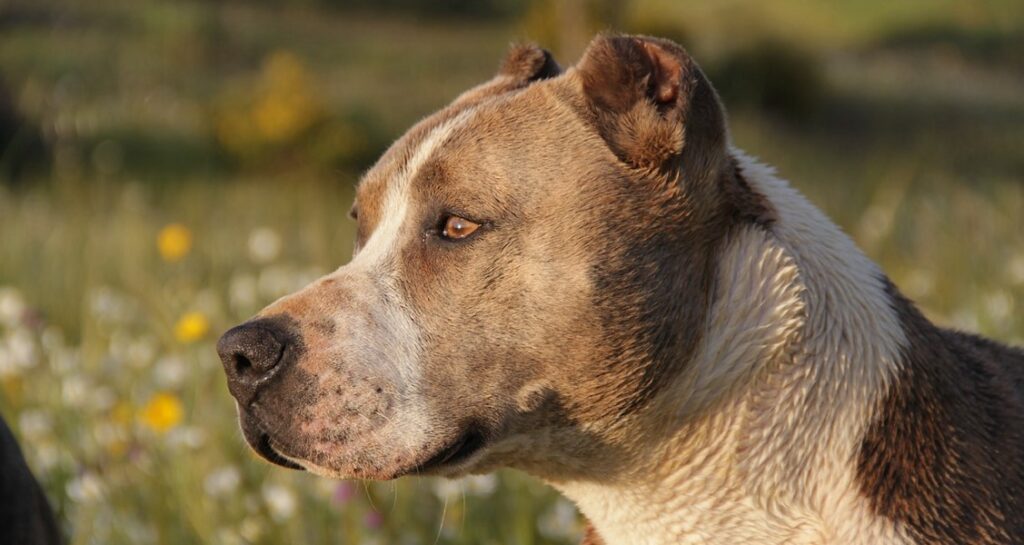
(453, 458)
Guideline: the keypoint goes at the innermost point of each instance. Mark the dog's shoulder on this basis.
(945, 453)
(1006, 362)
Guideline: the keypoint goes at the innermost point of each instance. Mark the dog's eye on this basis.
(458, 228)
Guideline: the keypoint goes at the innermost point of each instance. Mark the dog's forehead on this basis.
(461, 139)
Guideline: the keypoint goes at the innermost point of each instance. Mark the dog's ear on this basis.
(654, 107)
(526, 63)
(523, 65)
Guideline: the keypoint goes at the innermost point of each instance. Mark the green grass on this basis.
(912, 146)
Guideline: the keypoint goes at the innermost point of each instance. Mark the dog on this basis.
(574, 273)
(25, 515)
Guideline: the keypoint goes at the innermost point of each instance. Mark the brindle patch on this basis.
(945, 454)
(590, 536)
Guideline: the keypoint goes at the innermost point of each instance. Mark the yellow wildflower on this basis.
(191, 327)
(174, 242)
(162, 412)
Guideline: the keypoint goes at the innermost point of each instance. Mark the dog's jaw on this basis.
(801, 345)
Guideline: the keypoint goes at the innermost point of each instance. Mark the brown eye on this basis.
(456, 228)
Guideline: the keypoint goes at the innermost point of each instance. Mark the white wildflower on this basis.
(919, 283)
(242, 292)
(109, 306)
(280, 500)
(228, 536)
(141, 352)
(251, 528)
(46, 456)
(85, 488)
(189, 437)
(999, 305)
(21, 349)
(119, 346)
(34, 424)
(481, 485)
(207, 302)
(447, 489)
(102, 398)
(222, 481)
(966, 319)
(64, 361)
(75, 391)
(169, 372)
(52, 340)
(264, 245)
(12, 307)
(560, 522)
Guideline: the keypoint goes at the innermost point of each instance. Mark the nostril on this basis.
(242, 364)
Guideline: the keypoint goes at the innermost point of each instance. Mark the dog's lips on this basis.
(265, 448)
(261, 442)
(461, 449)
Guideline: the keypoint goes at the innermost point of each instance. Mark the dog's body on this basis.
(575, 275)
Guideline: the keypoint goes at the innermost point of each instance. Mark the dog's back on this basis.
(945, 455)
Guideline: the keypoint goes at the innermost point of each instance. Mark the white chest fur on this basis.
(799, 349)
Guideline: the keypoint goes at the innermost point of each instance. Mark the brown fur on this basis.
(590, 537)
(945, 455)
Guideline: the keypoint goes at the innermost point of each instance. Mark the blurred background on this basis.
(169, 167)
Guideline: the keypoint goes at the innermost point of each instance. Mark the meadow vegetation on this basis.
(166, 169)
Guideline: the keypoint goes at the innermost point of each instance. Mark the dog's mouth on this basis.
(260, 442)
(265, 447)
(461, 449)
(447, 460)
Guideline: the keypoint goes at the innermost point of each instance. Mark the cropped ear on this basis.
(523, 65)
(527, 62)
(654, 107)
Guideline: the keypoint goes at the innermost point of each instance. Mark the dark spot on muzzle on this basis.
(255, 352)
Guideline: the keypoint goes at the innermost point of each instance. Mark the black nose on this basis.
(253, 353)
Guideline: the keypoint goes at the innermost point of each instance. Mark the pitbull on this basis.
(575, 274)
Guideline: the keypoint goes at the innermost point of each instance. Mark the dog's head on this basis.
(533, 266)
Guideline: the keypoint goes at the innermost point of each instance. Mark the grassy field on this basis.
(200, 163)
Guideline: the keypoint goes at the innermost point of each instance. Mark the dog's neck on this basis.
(757, 440)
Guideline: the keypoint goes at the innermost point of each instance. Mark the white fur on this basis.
(800, 345)
(391, 316)
(385, 238)
(388, 336)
